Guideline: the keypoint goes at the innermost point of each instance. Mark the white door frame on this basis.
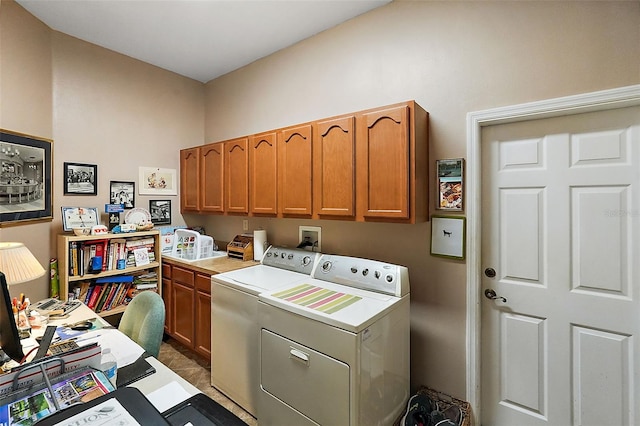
(595, 101)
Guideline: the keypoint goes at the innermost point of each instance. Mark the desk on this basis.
(153, 386)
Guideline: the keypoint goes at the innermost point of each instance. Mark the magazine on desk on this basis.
(85, 356)
(28, 406)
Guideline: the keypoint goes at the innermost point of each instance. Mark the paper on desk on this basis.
(122, 347)
(167, 396)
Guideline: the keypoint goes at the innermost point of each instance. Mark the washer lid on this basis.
(259, 278)
(345, 307)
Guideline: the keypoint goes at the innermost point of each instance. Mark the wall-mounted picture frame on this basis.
(156, 181)
(26, 179)
(448, 236)
(160, 211)
(122, 193)
(80, 179)
(450, 181)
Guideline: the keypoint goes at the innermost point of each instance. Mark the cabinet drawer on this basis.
(166, 270)
(203, 283)
(183, 276)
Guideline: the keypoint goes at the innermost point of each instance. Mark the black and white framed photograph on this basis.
(448, 236)
(160, 211)
(123, 193)
(80, 179)
(25, 179)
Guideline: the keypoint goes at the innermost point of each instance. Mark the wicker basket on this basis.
(444, 401)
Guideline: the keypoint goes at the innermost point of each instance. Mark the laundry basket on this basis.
(444, 401)
(190, 245)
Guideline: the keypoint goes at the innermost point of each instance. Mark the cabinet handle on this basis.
(298, 355)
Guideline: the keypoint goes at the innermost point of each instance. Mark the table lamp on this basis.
(17, 265)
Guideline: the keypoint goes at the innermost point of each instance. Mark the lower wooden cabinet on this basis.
(187, 299)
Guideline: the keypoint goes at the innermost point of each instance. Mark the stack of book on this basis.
(104, 294)
(109, 251)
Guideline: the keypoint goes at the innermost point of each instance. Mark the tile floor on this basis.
(197, 371)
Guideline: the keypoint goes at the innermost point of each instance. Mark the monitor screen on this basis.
(9, 338)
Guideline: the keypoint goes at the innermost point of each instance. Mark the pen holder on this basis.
(22, 322)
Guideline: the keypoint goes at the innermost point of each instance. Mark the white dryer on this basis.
(334, 348)
(234, 319)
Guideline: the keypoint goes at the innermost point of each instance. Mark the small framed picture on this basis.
(80, 179)
(158, 182)
(123, 193)
(448, 236)
(160, 211)
(450, 184)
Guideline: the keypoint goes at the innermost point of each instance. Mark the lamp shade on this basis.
(18, 264)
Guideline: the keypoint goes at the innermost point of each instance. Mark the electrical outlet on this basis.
(310, 238)
(245, 224)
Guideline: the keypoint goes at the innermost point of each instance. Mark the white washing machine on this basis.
(334, 349)
(235, 333)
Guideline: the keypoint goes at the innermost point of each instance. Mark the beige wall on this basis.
(26, 107)
(99, 107)
(452, 58)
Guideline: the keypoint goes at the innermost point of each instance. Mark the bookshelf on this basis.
(75, 267)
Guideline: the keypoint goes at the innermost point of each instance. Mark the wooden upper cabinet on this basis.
(392, 168)
(190, 180)
(212, 178)
(263, 174)
(236, 175)
(295, 157)
(334, 167)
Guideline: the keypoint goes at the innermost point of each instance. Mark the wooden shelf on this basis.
(67, 282)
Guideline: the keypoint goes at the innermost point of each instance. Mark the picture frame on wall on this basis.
(123, 193)
(448, 236)
(157, 181)
(160, 212)
(26, 179)
(80, 179)
(450, 181)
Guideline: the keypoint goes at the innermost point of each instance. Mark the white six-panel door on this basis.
(561, 233)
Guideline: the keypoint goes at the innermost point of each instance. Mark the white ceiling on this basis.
(200, 39)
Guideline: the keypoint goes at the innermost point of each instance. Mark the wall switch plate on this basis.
(245, 224)
(310, 238)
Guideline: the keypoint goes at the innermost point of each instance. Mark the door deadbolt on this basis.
(491, 294)
(490, 272)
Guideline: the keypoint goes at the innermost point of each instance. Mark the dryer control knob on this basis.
(354, 270)
(306, 260)
(389, 278)
(326, 266)
(377, 274)
(365, 272)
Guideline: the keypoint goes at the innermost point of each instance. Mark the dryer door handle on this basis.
(299, 355)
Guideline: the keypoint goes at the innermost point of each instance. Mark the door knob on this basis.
(490, 272)
(491, 294)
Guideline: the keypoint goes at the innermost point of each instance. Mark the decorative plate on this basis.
(137, 216)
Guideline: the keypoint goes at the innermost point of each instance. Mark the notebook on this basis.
(135, 371)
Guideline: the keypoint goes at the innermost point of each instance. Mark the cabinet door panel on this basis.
(383, 162)
(294, 170)
(168, 304)
(236, 165)
(203, 324)
(189, 180)
(183, 315)
(334, 167)
(263, 176)
(212, 178)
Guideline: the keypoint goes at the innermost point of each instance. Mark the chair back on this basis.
(143, 321)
